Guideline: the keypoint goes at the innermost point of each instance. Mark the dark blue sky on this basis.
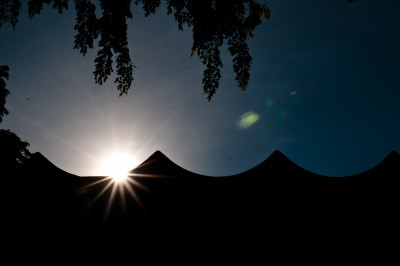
(324, 90)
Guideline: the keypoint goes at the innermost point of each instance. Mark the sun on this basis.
(117, 166)
(115, 176)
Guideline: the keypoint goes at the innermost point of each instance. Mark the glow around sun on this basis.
(117, 166)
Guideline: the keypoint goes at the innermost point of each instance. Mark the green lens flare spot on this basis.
(248, 119)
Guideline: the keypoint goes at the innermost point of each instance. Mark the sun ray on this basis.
(122, 194)
(100, 194)
(137, 184)
(134, 195)
(111, 199)
(119, 187)
(97, 182)
(122, 182)
(147, 175)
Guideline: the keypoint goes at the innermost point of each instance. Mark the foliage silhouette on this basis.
(13, 151)
(211, 21)
(3, 91)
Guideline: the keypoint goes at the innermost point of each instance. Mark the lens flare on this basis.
(269, 102)
(248, 119)
(282, 115)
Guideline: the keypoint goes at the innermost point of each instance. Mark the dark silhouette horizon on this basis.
(277, 155)
(275, 201)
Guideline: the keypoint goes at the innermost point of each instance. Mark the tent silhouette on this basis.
(276, 204)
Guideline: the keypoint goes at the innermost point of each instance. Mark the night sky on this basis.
(324, 90)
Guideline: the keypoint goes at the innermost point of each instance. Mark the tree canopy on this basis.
(213, 22)
(3, 91)
(13, 151)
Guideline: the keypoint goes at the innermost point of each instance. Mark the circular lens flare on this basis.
(248, 119)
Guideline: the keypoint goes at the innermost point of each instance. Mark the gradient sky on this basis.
(324, 90)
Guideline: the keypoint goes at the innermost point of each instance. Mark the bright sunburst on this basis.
(117, 167)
